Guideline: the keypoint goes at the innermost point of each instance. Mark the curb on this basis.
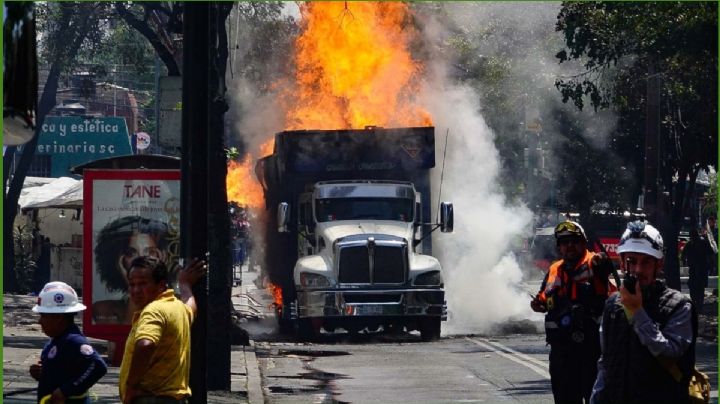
(254, 384)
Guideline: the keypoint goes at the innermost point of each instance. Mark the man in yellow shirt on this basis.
(156, 364)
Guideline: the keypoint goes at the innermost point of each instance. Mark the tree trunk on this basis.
(47, 102)
(143, 28)
(682, 192)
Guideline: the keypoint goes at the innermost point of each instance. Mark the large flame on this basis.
(354, 68)
(242, 187)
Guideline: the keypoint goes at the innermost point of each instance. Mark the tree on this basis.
(623, 45)
(65, 26)
(156, 21)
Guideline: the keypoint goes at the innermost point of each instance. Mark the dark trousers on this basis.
(573, 369)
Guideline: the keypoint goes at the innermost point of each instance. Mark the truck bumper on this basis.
(370, 303)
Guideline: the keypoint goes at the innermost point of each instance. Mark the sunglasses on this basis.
(570, 240)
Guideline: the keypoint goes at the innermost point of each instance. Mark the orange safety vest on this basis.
(557, 279)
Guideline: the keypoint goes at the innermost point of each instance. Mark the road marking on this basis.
(529, 362)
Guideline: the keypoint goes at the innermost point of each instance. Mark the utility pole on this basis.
(203, 197)
(193, 189)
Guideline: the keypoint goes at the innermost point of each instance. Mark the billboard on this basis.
(127, 213)
(75, 140)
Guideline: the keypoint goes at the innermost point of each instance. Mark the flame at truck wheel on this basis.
(276, 292)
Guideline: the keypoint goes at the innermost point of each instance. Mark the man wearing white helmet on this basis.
(648, 330)
(68, 363)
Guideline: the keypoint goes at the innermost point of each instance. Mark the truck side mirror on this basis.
(447, 218)
(283, 217)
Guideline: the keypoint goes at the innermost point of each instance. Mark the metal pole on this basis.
(194, 190)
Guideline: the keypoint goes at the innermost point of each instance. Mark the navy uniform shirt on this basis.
(70, 363)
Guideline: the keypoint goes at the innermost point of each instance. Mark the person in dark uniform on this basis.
(699, 257)
(68, 365)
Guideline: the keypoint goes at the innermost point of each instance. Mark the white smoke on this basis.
(482, 277)
(261, 115)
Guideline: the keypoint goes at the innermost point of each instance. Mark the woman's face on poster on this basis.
(139, 244)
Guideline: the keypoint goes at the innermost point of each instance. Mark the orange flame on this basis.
(354, 68)
(276, 292)
(242, 186)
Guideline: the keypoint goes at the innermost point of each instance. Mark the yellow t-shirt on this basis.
(166, 322)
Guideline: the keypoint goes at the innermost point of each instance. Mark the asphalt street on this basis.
(339, 368)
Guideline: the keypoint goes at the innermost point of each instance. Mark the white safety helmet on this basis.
(640, 237)
(58, 297)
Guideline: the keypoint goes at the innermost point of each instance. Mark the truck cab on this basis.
(358, 266)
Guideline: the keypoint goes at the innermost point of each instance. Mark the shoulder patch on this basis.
(86, 349)
(52, 352)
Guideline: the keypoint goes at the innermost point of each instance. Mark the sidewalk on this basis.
(23, 340)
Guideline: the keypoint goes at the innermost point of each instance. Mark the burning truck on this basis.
(350, 248)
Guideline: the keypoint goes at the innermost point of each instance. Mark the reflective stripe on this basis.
(551, 325)
(46, 399)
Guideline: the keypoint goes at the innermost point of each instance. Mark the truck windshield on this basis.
(330, 209)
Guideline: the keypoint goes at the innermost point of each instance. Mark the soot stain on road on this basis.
(324, 380)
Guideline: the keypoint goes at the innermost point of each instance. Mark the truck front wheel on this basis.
(306, 330)
(430, 328)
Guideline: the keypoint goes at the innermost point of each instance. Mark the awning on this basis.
(63, 192)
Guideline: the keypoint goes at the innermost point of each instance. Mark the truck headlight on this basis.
(431, 278)
(311, 280)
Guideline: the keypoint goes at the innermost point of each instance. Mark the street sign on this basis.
(74, 140)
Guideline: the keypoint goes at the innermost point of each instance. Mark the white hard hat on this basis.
(58, 297)
(640, 237)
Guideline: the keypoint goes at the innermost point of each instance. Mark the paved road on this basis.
(400, 368)
(392, 369)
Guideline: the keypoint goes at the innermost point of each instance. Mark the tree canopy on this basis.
(623, 46)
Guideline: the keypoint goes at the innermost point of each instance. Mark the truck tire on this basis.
(430, 329)
(305, 331)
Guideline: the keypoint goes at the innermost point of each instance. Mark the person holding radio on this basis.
(648, 331)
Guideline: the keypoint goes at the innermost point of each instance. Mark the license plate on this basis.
(368, 310)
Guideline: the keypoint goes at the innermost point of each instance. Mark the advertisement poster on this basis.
(127, 214)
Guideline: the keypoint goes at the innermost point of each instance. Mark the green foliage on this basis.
(262, 39)
(125, 46)
(621, 44)
(710, 208)
(60, 23)
(232, 153)
(628, 49)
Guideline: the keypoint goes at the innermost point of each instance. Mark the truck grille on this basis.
(388, 265)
